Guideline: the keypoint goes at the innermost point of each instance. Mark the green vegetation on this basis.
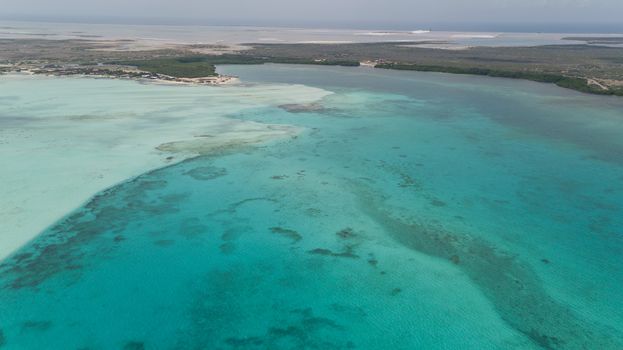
(180, 67)
(598, 40)
(257, 59)
(579, 84)
(568, 66)
(343, 63)
(586, 68)
(204, 66)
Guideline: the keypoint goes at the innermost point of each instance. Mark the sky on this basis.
(346, 12)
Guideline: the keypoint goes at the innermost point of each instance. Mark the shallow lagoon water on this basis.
(415, 211)
(64, 139)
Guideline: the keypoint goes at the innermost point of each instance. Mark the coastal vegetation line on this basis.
(584, 68)
(201, 66)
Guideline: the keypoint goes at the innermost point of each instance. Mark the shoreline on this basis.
(579, 84)
(104, 72)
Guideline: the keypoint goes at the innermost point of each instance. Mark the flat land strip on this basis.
(587, 68)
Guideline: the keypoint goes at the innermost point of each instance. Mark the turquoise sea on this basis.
(415, 211)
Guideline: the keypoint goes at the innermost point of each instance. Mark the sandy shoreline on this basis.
(115, 72)
(65, 139)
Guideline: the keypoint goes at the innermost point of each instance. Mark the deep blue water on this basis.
(415, 211)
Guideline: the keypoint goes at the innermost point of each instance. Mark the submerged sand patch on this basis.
(64, 139)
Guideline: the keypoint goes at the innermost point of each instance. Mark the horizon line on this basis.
(525, 27)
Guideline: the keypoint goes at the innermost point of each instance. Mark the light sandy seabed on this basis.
(62, 141)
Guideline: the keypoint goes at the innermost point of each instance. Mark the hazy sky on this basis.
(310, 11)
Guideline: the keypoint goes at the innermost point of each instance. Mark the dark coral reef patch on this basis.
(36, 325)
(304, 108)
(303, 333)
(206, 173)
(346, 233)
(293, 235)
(348, 252)
(134, 345)
(67, 245)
